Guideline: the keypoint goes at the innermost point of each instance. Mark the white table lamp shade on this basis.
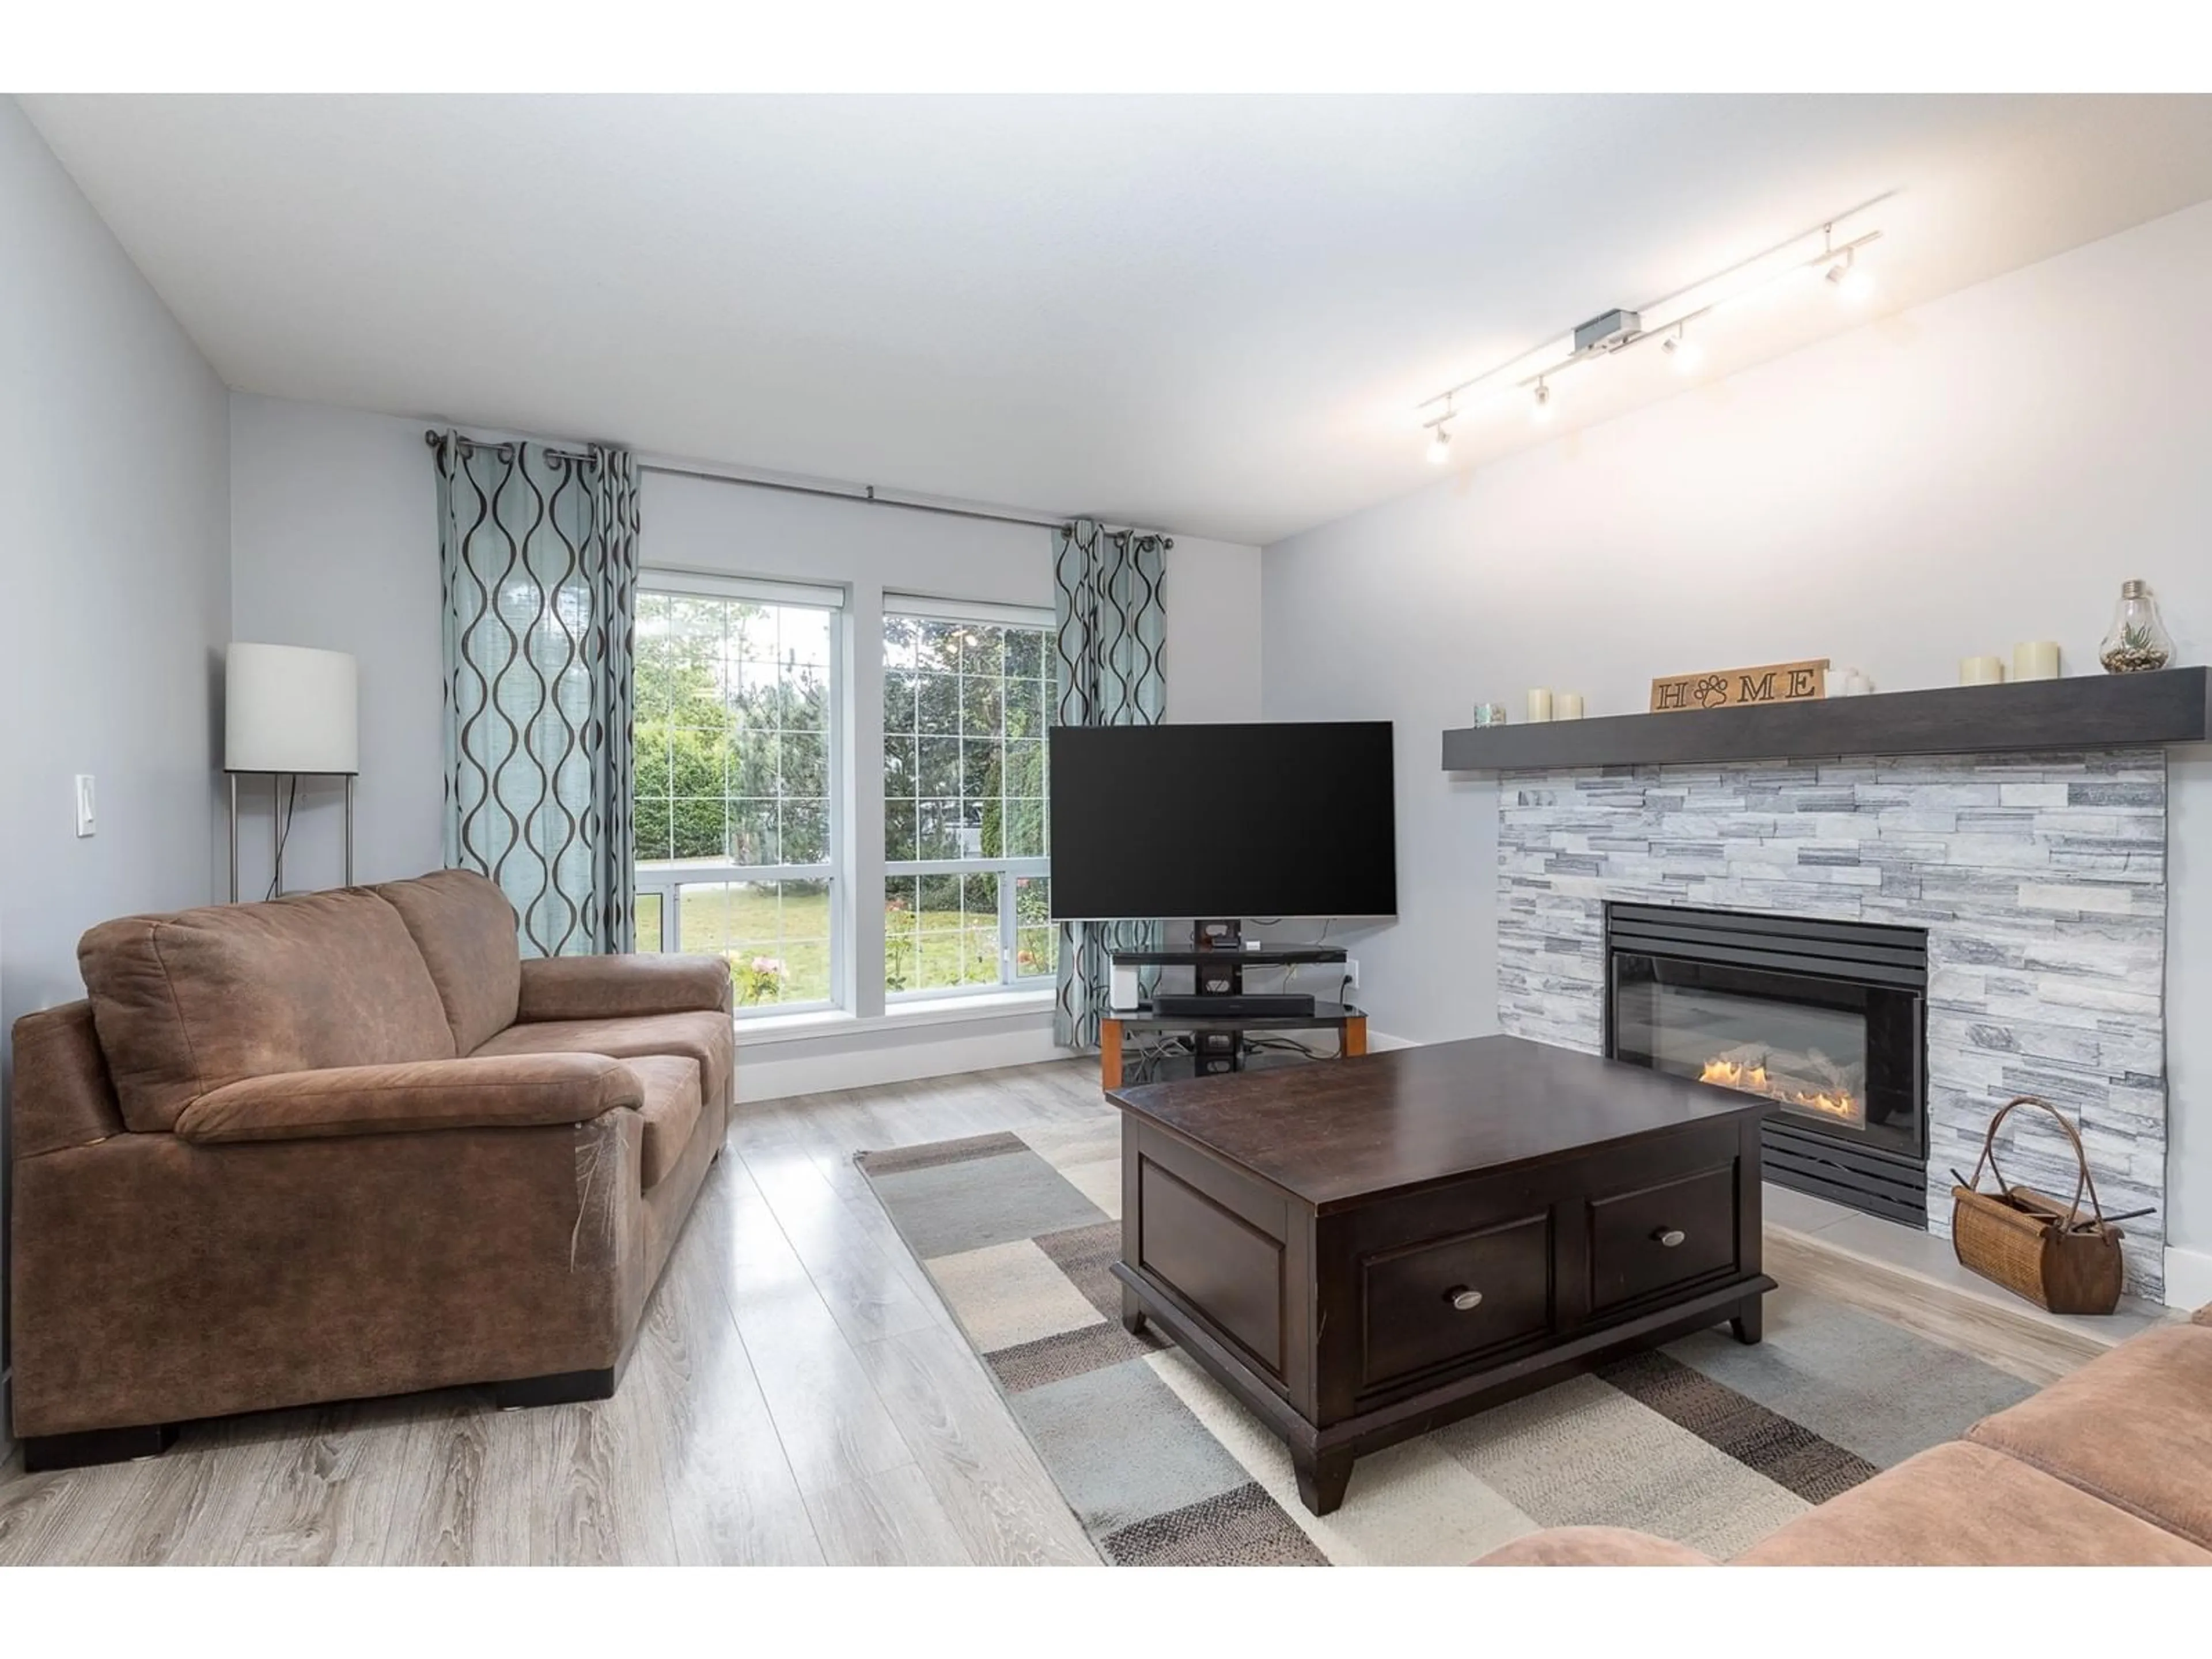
(288, 708)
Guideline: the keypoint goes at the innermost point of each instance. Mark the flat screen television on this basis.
(1288, 819)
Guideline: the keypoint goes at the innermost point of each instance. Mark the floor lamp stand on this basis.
(275, 832)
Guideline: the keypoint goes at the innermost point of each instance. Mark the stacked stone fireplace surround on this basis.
(2040, 879)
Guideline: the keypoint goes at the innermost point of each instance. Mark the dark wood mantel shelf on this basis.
(2102, 711)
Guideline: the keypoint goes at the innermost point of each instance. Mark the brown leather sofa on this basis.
(343, 1145)
(2111, 1466)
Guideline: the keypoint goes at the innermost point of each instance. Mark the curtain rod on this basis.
(865, 496)
(433, 437)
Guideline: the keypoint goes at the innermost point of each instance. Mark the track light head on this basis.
(1847, 279)
(1683, 352)
(1542, 409)
(1439, 445)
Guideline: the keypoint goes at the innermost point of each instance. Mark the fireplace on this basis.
(1825, 1018)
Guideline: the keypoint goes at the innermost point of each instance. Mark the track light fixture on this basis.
(1667, 318)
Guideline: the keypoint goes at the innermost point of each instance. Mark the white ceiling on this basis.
(1210, 314)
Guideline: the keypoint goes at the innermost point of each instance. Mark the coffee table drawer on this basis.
(1647, 1239)
(1444, 1299)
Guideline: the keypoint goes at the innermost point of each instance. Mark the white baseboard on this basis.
(862, 1060)
(2188, 1277)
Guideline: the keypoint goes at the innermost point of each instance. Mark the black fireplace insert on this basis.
(1827, 1019)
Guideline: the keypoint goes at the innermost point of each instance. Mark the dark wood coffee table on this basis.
(1362, 1251)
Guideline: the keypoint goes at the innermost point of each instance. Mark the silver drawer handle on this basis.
(1668, 1237)
(1464, 1299)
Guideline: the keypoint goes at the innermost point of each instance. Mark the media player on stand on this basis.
(1209, 1045)
(1284, 1005)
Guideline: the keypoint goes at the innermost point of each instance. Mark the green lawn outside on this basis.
(932, 950)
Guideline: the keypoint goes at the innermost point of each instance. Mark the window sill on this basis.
(822, 1022)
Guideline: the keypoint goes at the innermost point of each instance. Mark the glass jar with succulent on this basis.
(2138, 640)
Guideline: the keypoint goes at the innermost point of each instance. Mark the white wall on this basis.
(114, 587)
(1213, 631)
(335, 545)
(1982, 470)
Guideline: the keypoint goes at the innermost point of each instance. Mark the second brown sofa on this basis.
(2110, 1466)
(344, 1145)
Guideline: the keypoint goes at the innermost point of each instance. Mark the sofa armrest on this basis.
(502, 1092)
(63, 1097)
(614, 987)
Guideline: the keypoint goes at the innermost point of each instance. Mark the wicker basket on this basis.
(2030, 1242)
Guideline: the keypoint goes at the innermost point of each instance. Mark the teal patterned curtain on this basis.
(1112, 627)
(539, 548)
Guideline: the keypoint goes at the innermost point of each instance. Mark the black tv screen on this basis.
(1222, 821)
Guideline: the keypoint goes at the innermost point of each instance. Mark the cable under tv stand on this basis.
(1217, 959)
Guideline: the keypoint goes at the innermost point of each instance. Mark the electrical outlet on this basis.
(86, 823)
(1351, 972)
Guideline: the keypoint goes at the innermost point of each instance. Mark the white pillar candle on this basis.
(1857, 684)
(1539, 705)
(1569, 706)
(2035, 659)
(1981, 671)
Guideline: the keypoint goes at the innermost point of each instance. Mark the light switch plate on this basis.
(86, 823)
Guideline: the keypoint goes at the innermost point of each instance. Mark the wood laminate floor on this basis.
(797, 1395)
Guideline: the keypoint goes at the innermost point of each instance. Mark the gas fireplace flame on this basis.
(1733, 1074)
(1841, 1105)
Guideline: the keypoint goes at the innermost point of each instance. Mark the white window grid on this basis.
(1009, 869)
(666, 879)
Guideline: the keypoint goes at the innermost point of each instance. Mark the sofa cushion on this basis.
(1593, 1547)
(706, 1038)
(619, 987)
(1964, 1505)
(187, 1003)
(464, 928)
(670, 1109)
(2130, 1427)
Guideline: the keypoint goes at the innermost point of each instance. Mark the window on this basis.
(737, 807)
(967, 893)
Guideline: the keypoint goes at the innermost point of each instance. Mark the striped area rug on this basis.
(1704, 1441)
